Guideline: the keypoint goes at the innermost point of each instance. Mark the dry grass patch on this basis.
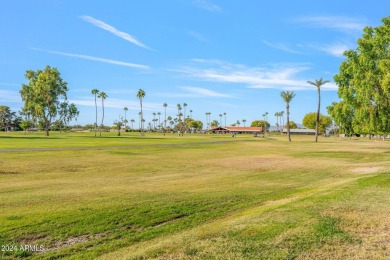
(367, 170)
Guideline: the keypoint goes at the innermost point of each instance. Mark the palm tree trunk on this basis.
(95, 115)
(318, 113)
(101, 126)
(288, 122)
(142, 121)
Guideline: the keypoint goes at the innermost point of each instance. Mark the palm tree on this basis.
(132, 123)
(190, 113)
(220, 119)
(95, 92)
(185, 106)
(154, 120)
(140, 96)
(103, 96)
(238, 122)
(126, 109)
(139, 122)
(282, 118)
(318, 83)
(244, 120)
(159, 118)
(165, 114)
(178, 108)
(277, 114)
(225, 117)
(287, 97)
(208, 120)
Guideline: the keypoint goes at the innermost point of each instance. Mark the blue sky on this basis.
(216, 56)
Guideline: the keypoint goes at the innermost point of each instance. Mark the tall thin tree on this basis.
(185, 107)
(287, 97)
(225, 117)
(126, 109)
(154, 120)
(282, 118)
(140, 95)
(318, 83)
(277, 120)
(95, 92)
(132, 124)
(165, 114)
(103, 96)
(159, 119)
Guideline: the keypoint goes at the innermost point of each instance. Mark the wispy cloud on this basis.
(86, 57)
(114, 31)
(203, 92)
(194, 92)
(334, 22)
(9, 84)
(334, 49)
(197, 36)
(281, 46)
(9, 96)
(118, 103)
(207, 5)
(278, 77)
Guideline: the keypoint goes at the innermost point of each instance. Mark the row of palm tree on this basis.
(103, 96)
(279, 118)
(287, 96)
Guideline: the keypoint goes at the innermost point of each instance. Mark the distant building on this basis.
(303, 131)
(236, 130)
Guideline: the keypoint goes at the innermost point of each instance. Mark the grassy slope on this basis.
(197, 196)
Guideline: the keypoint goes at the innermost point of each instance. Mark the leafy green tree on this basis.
(214, 123)
(260, 123)
(26, 124)
(141, 95)
(57, 125)
(103, 96)
(364, 82)
(196, 125)
(310, 121)
(343, 115)
(318, 83)
(95, 92)
(292, 125)
(68, 112)
(43, 95)
(118, 126)
(7, 117)
(287, 96)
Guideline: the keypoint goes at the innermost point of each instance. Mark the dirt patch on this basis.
(366, 170)
(72, 241)
(8, 172)
(247, 162)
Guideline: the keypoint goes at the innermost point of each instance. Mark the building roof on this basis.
(300, 130)
(237, 129)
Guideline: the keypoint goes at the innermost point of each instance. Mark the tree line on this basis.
(363, 88)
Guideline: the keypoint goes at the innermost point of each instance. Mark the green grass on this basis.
(197, 196)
